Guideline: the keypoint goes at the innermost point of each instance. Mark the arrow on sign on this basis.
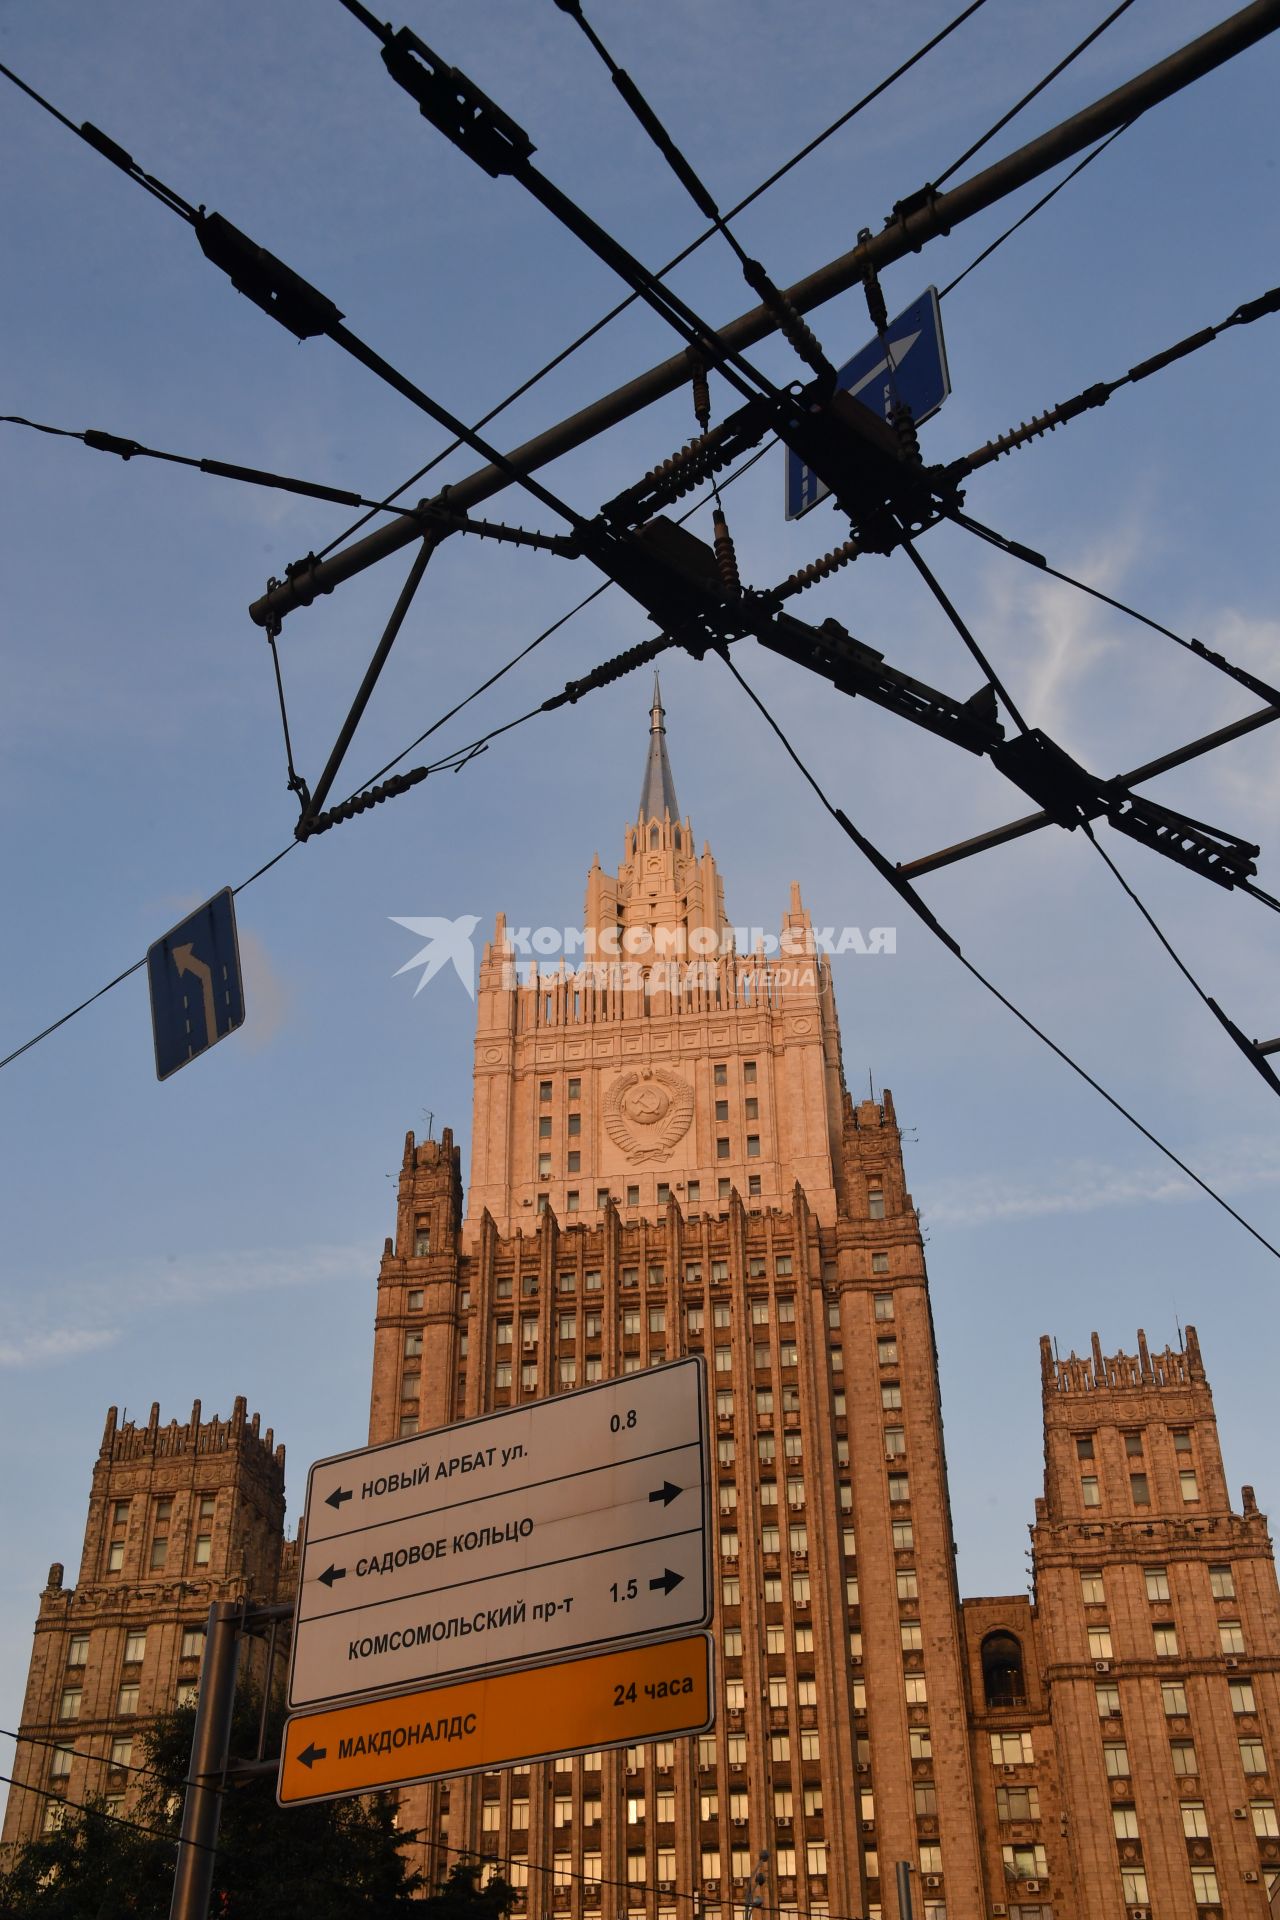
(184, 959)
(336, 1498)
(666, 1580)
(331, 1574)
(666, 1493)
(898, 351)
(311, 1753)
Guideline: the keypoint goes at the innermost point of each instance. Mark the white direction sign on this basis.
(580, 1521)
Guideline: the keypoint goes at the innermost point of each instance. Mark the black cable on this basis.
(108, 148)
(99, 1759)
(100, 1813)
(1039, 88)
(1233, 1031)
(221, 469)
(908, 893)
(790, 322)
(484, 686)
(678, 259)
(1031, 558)
(1043, 201)
(926, 574)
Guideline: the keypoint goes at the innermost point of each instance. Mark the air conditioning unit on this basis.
(863, 1766)
(1232, 1661)
(1250, 1875)
(1009, 1769)
(999, 1909)
(712, 1886)
(666, 1886)
(1139, 1913)
(1033, 1886)
(783, 1819)
(1239, 1813)
(868, 1826)
(933, 1879)
(1102, 1666)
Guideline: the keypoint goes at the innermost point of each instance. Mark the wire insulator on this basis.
(359, 803)
(903, 422)
(609, 671)
(820, 569)
(1095, 396)
(726, 557)
(701, 395)
(791, 323)
(871, 287)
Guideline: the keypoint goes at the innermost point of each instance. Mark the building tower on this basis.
(665, 1160)
(179, 1516)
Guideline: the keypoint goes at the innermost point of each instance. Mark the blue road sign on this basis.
(918, 376)
(197, 993)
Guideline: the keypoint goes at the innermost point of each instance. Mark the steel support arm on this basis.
(919, 218)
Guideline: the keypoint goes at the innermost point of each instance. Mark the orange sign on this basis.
(502, 1719)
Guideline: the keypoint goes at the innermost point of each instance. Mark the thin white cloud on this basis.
(98, 1307)
(1086, 1186)
(55, 1344)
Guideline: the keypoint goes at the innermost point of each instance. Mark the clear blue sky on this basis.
(220, 1234)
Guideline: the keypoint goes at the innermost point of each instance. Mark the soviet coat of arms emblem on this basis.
(646, 1113)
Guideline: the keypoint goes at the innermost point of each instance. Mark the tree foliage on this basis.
(338, 1860)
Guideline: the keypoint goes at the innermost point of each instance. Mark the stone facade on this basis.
(665, 1161)
(180, 1515)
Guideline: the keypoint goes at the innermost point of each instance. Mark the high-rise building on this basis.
(665, 1160)
(180, 1515)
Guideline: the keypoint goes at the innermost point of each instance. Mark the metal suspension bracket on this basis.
(455, 106)
(1069, 794)
(869, 467)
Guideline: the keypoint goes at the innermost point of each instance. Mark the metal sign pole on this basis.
(210, 1747)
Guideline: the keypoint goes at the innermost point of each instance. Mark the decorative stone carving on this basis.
(646, 1113)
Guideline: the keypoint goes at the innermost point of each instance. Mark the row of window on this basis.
(1140, 1488)
(1222, 1584)
(71, 1699)
(1253, 1759)
(693, 1192)
(1165, 1639)
(161, 1523)
(1133, 1443)
(135, 1646)
(1173, 1694)
(1195, 1824)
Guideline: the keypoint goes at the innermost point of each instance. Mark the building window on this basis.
(1108, 1699)
(1230, 1636)
(898, 1489)
(1241, 1694)
(127, 1700)
(1222, 1583)
(1089, 1491)
(1173, 1694)
(633, 1197)
(1157, 1580)
(1124, 1821)
(1115, 1758)
(903, 1538)
(54, 1815)
(1252, 1758)
(135, 1646)
(160, 1534)
(905, 1581)
(571, 1197)
(187, 1693)
(1133, 1886)
(192, 1643)
(1183, 1755)
(204, 1531)
(69, 1704)
(543, 1201)
(919, 1743)
(1091, 1589)
(1265, 1824)
(1188, 1485)
(1182, 1439)
(1139, 1490)
(753, 1186)
(78, 1650)
(753, 1146)
(891, 1395)
(875, 1202)
(1165, 1637)
(544, 1089)
(1084, 1446)
(1002, 1671)
(1204, 1885)
(60, 1765)
(1194, 1824)
(917, 1689)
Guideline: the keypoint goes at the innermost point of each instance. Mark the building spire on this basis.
(658, 794)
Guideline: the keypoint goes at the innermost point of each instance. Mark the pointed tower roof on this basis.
(658, 794)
